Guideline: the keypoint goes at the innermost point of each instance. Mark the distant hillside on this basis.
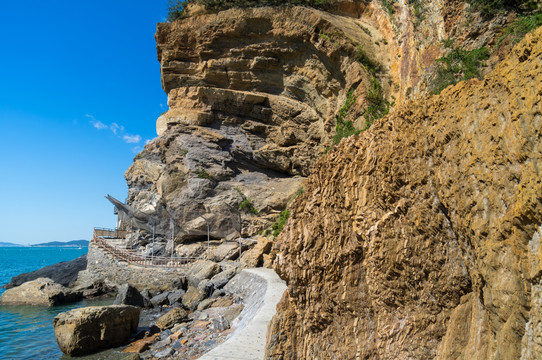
(9, 244)
(73, 243)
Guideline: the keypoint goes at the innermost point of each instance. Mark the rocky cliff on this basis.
(255, 96)
(420, 238)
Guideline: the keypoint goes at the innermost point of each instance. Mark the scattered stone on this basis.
(205, 304)
(176, 336)
(220, 324)
(222, 302)
(164, 353)
(193, 297)
(142, 345)
(42, 291)
(90, 329)
(174, 316)
(160, 299)
(63, 273)
(131, 357)
(175, 296)
(129, 295)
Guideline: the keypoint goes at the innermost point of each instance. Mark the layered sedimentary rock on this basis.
(420, 238)
(254, 96)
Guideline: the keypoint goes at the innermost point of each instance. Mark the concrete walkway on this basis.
(263, 289)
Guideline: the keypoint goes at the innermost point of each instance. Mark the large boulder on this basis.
(90, 329)
(64, 273)
(193, 297)
(255, 256)
(202, 270)
(42, 291)
(225, 251)
(128, 295)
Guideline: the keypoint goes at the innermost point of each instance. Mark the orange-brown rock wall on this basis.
(419, 239)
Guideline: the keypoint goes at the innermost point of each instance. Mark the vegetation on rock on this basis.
(519, 28)
(345, 128)
(492, 7)
(281, 221)
(458, 65)
(176, 9)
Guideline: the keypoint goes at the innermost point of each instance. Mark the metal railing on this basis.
(110, 233)
(131, 256)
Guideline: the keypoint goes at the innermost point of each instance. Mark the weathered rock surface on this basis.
(63, 273)
(129, 295)
(41, 291)
(193, 297)
(420, 238)
(201, 270)
(174, 316)
(90, 329)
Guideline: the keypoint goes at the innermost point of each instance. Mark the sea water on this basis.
(26, 332)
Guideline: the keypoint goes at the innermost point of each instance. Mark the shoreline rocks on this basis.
(64, 273)
(42, 291)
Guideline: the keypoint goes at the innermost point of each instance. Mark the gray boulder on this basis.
(160, 299)
(128, 295)
(146, 295)
(63, 273)
(202, 270)
(90, 329)
(42, 291)
(175, 296)
(222, 278)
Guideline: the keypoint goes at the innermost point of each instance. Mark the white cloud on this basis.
(148, 141)
(131, 139)
(96, 123)
(114, 128)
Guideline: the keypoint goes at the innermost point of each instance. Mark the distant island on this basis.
(8, 244)
(73, 243)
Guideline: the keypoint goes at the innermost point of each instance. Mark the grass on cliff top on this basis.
(176, 7)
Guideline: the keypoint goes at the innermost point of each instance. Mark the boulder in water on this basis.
(42, 291)
(91, 329)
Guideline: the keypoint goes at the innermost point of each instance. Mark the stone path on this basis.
(248, 341)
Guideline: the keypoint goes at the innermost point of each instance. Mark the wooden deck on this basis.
(101, 237)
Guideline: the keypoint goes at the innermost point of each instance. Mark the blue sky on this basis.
(79, 96)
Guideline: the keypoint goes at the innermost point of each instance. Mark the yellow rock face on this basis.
(420, 238)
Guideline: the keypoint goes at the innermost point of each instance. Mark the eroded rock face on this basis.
(253, 96)
(420, 238)
(90, 329)
(42, 291)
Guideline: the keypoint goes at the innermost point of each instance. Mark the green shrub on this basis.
(246, 203)
(519, 28)
(281, 221)
(248, 206)
(203, 174)
(492, 7)
(345, 128)
(377, 106)
(458, 65)
(388, 5)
